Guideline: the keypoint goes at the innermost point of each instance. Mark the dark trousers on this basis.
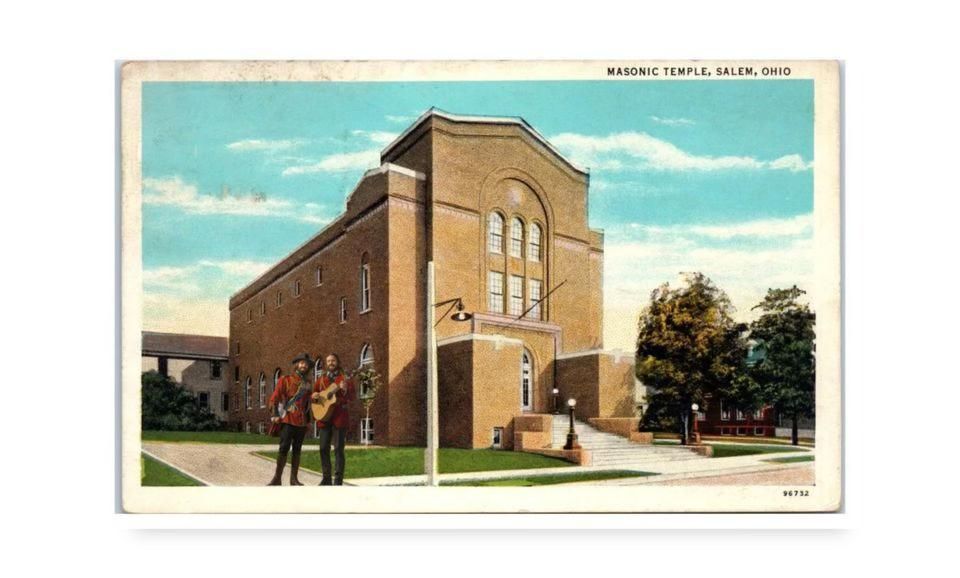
(339, 437)
(291, 435)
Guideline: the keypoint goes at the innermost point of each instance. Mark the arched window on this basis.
(364, 283)
(495, 233)
(318, 368)
(262, 393)
(366, 355)
(536, 234)
(516, 238)
(526, 381)
(276, 377)
(246, 393)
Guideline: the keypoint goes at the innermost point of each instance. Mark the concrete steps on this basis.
(612, 450)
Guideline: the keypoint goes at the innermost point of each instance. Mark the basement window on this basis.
(497, 438)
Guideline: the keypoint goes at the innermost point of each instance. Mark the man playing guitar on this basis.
(290, 407)
(334, 427)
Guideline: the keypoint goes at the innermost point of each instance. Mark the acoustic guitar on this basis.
(323, 407)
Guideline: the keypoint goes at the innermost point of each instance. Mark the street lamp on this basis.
(696, 435)
(433, 409)
(572, 434)
(556, 401)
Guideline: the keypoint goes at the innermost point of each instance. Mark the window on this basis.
(262, 395)
(263, 309)
(516, 238)
(246, 393)
(225, 401)
(364, 283)
(526, 382)
(246, 426)
(296, 288)
(516, 295)
(536, 234)
(366, 430)
(279, 298)
(495, 233)
(203, 398)
(536, 293)
(758, 414)
(261, 429)
(343, 310)
(236, 349)
(319, 276)
(215, 372)
(701, 416)
(249, 315)
(724, 412)
(366, 355)
(236, 374)
(497, 441)
(317, 369)
(276, 377)
(758, 431)
(740, 415)
(495, 301)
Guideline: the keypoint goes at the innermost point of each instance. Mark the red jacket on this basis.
(286, 389)
(341, 417)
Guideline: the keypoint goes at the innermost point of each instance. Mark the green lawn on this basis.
(791, 459)
(732, 450)
(212, 437)
(546, 480)
(377, 462)
(154, 473)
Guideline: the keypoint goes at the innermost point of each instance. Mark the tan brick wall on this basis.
(602, 384)
(616, 381)
(578, 377)
(496, 392)
(455, 385)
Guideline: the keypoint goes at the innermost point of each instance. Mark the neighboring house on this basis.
(198, 362)
(503, 216)
(724, 418)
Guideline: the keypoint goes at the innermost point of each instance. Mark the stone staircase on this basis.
(612, 450)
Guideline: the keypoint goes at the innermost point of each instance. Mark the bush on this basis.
(168, 406)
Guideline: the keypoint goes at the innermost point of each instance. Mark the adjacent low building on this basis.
(503, 216)
(197, 362)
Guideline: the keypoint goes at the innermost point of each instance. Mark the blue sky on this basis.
(685, 175)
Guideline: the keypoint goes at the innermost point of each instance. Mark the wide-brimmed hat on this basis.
(302, 357)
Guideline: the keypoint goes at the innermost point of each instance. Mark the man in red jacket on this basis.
(335, 427)
(290, 407)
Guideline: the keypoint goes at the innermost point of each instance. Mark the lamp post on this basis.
(433, 409)
(696, 434)
(572, 434)
(556, 401)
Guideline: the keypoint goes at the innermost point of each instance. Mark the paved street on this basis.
(236, 465)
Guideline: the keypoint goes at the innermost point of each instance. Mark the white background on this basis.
(58, 233)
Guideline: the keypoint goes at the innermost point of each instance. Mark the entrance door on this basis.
(526, 381)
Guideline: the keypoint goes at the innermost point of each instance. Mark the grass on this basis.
(755, 440)
(546, 480)
(790, 460)
(377, 462)
(154, 473)
(731, 450)
(210, 437)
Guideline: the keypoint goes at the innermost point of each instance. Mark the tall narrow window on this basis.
(225, 401)
(263, 309)
(249, 315)
(724, 412)
(246, 393)
(279, 298)
(364, 283)
(536, 292)
(203, 398)
(516, 238)
(536, 234)
(495, 299)
(343, 310)
(516, 295)
(366, 430)
(215, 370)
(366, 355)
(526, 381)
(296, 288)
(319, 276)
(495, 233)
(236, 374)
(318, 369)
(262, 390)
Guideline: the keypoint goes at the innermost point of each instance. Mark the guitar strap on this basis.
(305, 387)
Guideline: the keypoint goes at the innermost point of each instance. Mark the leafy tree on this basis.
(688, 349)
(167, 405)
(786, 370)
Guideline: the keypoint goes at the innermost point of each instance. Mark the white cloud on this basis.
(656, 154)
(780, 254)
(398, 119)
(672, 121)
(338, 163)
(175, 314)
(175, 192)
(378, 137)
(238, 268)
(264, 145)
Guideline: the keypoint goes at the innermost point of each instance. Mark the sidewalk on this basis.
(237, 465)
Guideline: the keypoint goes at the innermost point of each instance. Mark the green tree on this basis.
(167, 405)
(786, 370)
(688, 349)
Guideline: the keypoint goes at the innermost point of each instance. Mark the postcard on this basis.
(481, 287)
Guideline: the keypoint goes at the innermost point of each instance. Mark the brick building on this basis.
(503, 215)
(197, 362)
